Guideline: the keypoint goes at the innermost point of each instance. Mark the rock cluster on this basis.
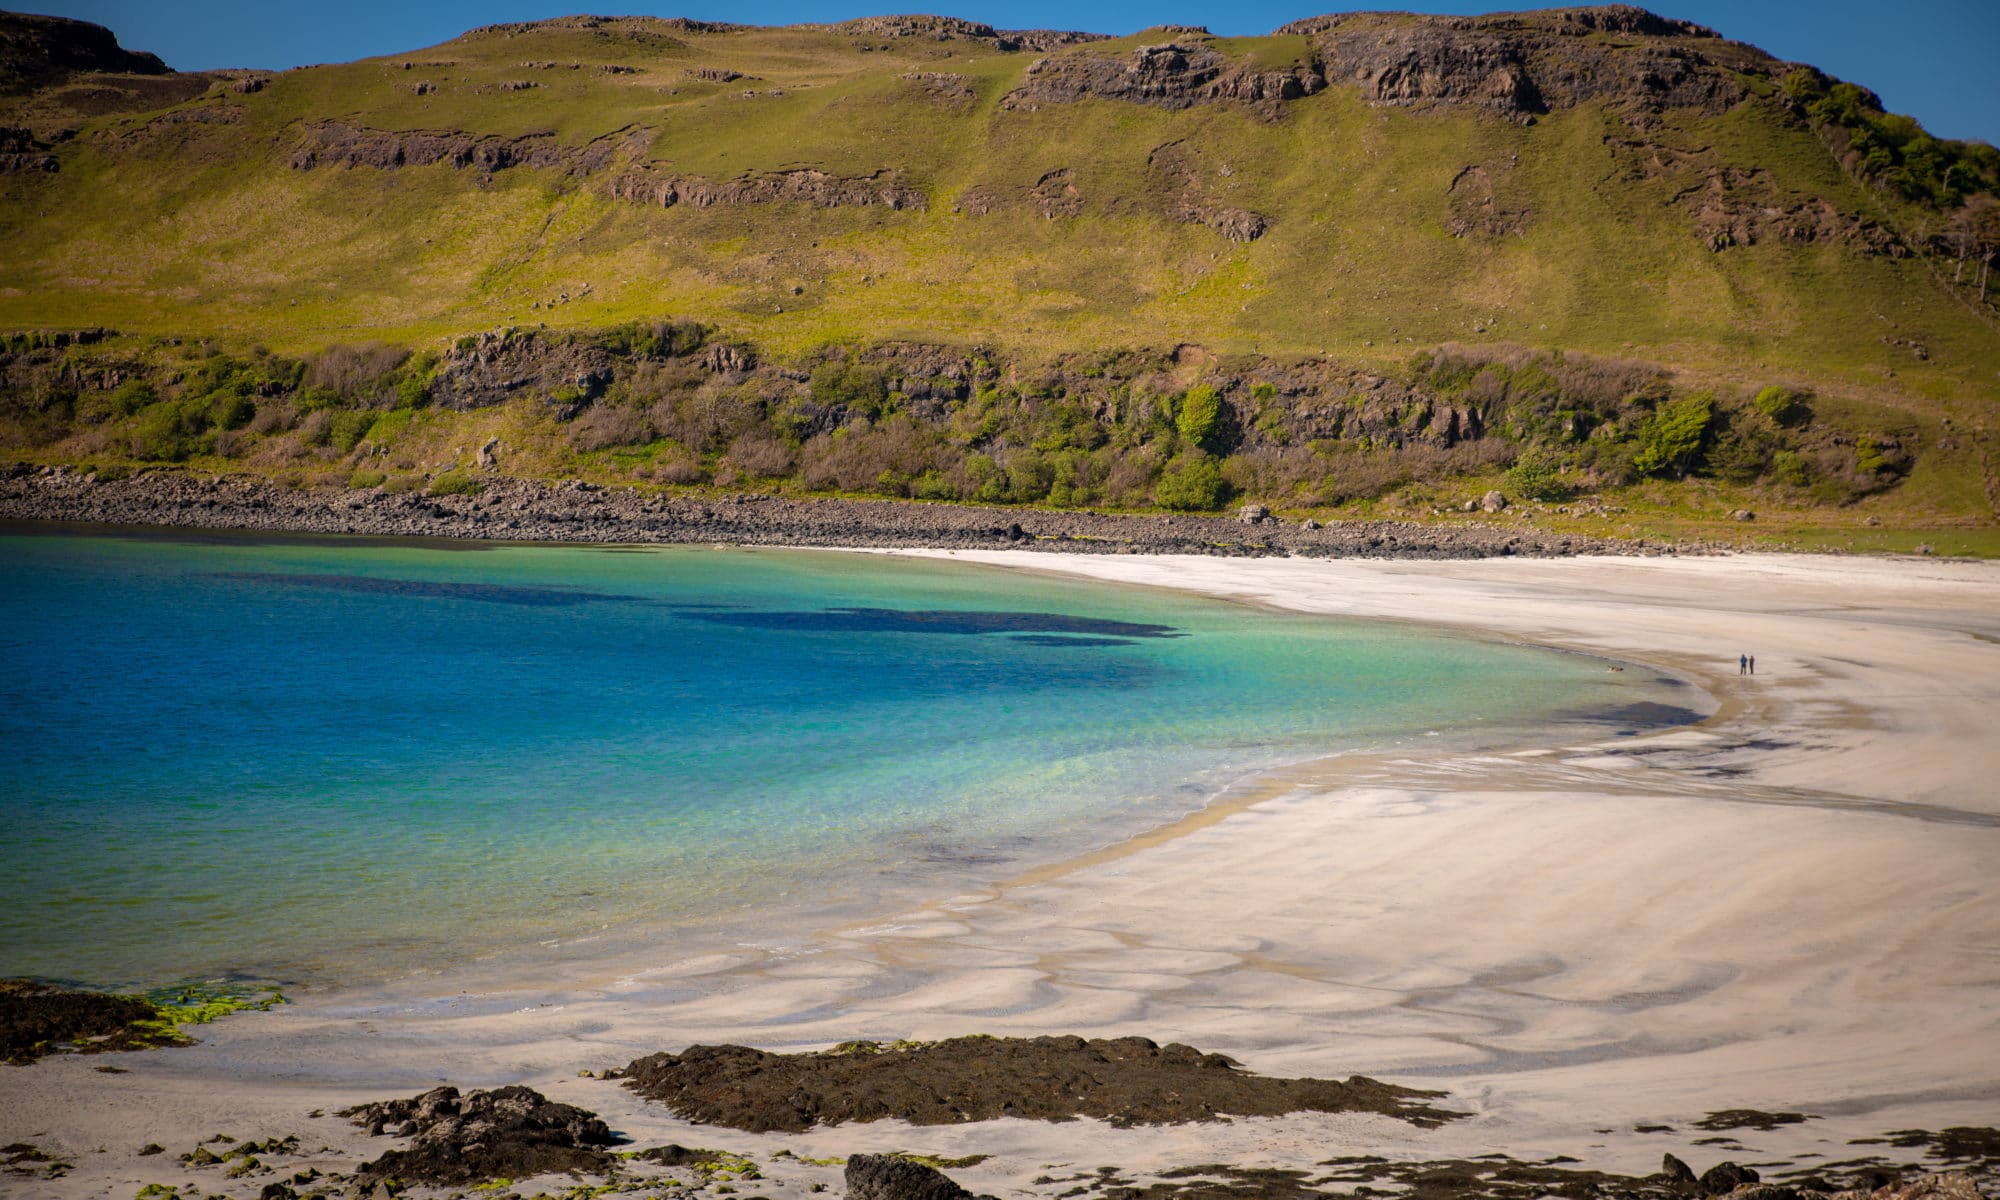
(505, 1133)
(1178, 74)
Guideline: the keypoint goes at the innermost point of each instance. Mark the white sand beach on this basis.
(1794, 905)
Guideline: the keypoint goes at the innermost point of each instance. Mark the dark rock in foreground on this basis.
(886, 1177)
(506, 1133)
(1127, 1081)
(38, 1019)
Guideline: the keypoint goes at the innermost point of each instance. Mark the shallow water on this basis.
(335, 760)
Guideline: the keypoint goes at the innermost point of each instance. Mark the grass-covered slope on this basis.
(1348, 190)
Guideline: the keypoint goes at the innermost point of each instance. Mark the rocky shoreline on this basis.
(507, 509)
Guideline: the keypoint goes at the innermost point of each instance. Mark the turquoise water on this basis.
(333, 760)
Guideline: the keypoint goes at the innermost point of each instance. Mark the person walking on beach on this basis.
(1753, 664)
(1742, 664)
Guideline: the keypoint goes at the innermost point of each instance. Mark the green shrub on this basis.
(232, 410)
(1200, 416)
(1671, 440)
(171, 431)
(454, 483)
(1192, 483)
(856, 387)
(1868, 456)
(1789, 467)
(366, 479)
(131, 396)
(347, 428)
(1536, 477)
(1781, 406)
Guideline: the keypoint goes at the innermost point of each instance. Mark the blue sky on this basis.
(1933, 59)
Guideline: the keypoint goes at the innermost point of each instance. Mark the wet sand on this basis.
(1791, 906)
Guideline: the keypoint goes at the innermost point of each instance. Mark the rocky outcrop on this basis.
(1053, 195)
(495, 367)
(1741, 206)
(1523, 64)
(655, 32)
(507, 1133)
(650, 184)
(21, 150)
(38, 52)
(954, 29)
(338, 144)
(946, 87)
(1174, 75)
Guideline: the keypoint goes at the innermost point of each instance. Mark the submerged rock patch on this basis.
(1126, 1081)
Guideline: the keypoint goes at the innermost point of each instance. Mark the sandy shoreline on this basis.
(1791, 906)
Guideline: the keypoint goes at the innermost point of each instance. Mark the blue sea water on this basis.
(331, 760)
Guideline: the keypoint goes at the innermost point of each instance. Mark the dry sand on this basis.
(1791, 906)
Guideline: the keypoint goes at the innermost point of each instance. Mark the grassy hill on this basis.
(1064, 224)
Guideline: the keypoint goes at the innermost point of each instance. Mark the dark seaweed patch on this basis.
(489, 593)
(1646, 714)
(1126, 1081)
(1053, 639)
(897, 620)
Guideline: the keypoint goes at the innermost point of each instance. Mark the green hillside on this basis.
(1062, 224)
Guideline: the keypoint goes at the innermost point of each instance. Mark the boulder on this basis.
(1724, 1177)
(1676, 1172)
(886, 1177)
(1492, 502)
(1253, 514)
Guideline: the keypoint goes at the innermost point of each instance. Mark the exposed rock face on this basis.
(950, 29)
(1174, 75)
(1522, 64)
(886, 1177)
(38, 51)
(1127, 1081)
(507, 1133)
(943, 86)
(338, 144)
(496, 367)
(21, 150)
(648, 184)
(1736, 206)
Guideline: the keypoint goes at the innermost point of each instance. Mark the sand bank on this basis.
(1791, 906)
